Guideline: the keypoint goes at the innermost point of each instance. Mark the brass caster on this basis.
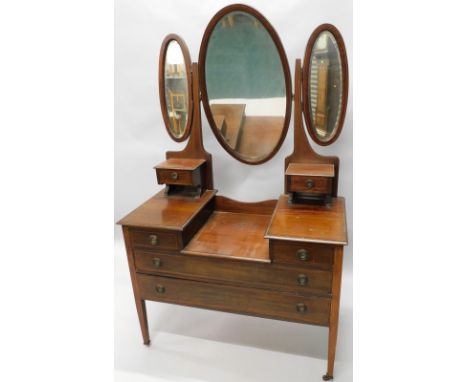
(327, 377)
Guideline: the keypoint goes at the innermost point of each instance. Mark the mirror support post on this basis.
(194, 148)
(303, 151)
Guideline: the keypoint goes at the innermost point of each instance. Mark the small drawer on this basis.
(180, 172)
(319, 256)
(262, 275)
(157, 240)
(178, 177)
(250, 301)
(310, 184)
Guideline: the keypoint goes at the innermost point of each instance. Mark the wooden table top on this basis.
(172, 212)
(232, 235)
(306, 222)
(180, 164)
(311, 169)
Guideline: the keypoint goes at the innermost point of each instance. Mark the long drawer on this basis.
(250, 301)
(260, 275)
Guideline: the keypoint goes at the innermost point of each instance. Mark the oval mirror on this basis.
(325, 84)
(245, 84)
(175, 87)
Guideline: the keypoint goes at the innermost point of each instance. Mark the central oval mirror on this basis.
(245, 84)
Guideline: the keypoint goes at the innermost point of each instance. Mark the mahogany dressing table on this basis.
(279, 259)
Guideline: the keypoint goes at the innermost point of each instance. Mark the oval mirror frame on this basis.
(285, 66)
(162, 86)
(306, 82)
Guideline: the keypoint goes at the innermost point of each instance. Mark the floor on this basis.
(196, 345)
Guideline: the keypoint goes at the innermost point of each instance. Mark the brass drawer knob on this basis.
(309, 183)
(174, 175)
(301, 308)
(153, 239)
(160, 289)
(303, 255)
(157, 262)
(302, 279)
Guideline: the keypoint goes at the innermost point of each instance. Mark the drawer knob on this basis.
(301, 308)
(160, 288)
(303, 255)
(174, 175)
(302, 279)
(153, 239)
(309, 183)
(157, 262)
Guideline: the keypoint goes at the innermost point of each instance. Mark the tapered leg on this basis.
(141, 309)
(334, 312)
(139, 302)
(332, 336)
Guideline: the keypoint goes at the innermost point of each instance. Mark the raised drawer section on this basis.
(319, 256)
(155, 240)
(261, 275)
(251, 301)
(179, 177)
(312, 184)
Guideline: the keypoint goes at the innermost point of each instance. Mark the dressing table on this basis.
(279, 259)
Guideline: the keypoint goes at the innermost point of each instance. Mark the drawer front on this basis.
(312, 184)
(298, 280)
(318, 256)
(155, 240)
(251, 301)
(178, 177)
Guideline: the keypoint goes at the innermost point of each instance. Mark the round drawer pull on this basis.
(303, 255)
(160, 289)
(309, 183)
(174, 175)
(301, 308)
(157, 262)
(302, 279)
(153, 239)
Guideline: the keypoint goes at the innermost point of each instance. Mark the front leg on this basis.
(334, 312)
(139, 302)
(142, 317)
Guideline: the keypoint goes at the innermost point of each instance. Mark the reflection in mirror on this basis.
(326, 86)
(176, 89)
(246, 86)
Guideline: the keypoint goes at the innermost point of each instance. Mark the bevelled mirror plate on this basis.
(175, 87)
(325, 84)
(245, 84)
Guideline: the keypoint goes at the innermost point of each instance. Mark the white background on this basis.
(57, 211)
(141, 141)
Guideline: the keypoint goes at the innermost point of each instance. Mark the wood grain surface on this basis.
(308, 222)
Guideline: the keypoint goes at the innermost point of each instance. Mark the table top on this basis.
(311, 169)
(161, 211)
(295, 222)
(307, 222)
(232, 235)
(180, 164)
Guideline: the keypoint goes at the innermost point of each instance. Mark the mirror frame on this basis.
(306, 80)
(287, 77)
(162, 88)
